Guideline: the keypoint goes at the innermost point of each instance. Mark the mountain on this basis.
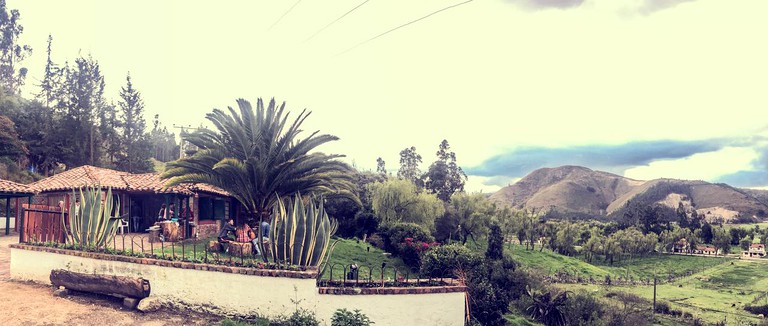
(580, 190)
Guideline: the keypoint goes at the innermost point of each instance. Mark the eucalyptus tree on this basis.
(258, 157)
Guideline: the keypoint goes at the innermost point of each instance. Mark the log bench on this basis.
(130, 289)
(238, 249)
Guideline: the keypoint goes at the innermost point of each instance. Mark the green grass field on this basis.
(367, 257)
(549, 262)
(715, 294)
(748, 226)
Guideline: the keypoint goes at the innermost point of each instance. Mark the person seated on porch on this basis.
(226, 229)
(162, 215)
(245, 234)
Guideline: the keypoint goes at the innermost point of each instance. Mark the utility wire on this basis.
(284, 14)
(404, 25)
(337, 19)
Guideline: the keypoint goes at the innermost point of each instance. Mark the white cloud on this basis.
(704, 166)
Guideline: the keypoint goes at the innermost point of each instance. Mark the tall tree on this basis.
(51, 82)
(10, 143)
(163, 143)
(444, 177)
(399, 200)
(82, 101)
(134, 140)
(11, 52)
(381, 167)
(409, 165)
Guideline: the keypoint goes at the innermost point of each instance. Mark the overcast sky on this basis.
(641, 88)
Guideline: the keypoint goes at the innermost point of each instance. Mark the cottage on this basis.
(199, 208)
(705, 250)
(756, 250)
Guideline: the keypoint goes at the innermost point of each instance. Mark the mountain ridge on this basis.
(581, 190)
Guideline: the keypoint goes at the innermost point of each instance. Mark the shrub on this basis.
(299, 317)
(584, 309)
(492, 285)
(757, 310)
(377, 241)
(442, 261)
(662, 308)
(407, 240)
(397, 233)
(344, 317)
(495, 243)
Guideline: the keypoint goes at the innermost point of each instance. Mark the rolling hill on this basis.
(580, 190)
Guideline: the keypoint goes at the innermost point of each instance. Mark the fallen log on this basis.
(118, 286)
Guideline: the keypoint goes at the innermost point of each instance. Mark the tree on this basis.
(134, 140)
(398, 200)
(409, 165)
(164, 147)
(466, 216)
(257, 158)
(381, 167)
(721, 239)
(51, 82)
(745, 242)
(10, 144)
(81, 103)
(706, 233)
(444, 177)
(11, 52)
(495, 243)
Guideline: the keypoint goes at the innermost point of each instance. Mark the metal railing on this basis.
(342, 275)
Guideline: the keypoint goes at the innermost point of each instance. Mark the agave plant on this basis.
(90, 224)
(301, 233)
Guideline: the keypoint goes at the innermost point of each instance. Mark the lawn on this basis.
(748, 226)
(368, 258)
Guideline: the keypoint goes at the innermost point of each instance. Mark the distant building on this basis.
(681, 246)
(705, 250)
(756, 250)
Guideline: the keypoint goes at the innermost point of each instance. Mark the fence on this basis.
(207, 251)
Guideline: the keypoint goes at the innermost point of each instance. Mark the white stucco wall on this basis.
(249, 294)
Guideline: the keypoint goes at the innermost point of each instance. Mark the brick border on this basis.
(171, 263)
(392, 290)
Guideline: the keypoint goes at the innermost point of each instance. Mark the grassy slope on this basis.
(350, 251)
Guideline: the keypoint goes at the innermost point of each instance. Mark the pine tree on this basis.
(51, 82)
(135, 142)
(444, 177)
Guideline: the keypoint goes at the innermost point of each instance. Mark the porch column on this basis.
(7, 215)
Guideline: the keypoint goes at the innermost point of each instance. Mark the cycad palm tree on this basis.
(256, 157)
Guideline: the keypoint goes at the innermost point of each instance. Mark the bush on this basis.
(344, 317)
(299, 317)
(442, 261)
(396, 234)
(584, 309)
(407, 240)
(662, 308)
(492, 285)
(757, 310)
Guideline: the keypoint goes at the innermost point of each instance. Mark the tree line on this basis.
(70, 121)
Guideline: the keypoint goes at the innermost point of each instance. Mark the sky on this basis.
(641, 88)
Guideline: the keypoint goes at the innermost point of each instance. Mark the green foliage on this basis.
(548, 307)
(300, 317)
(301, 233)
(134, 142)
(466, 216)
(444, 261)
(11, 51)
(349, 251)
(10, 144)
(344, 317)
(491, 286)
(583, 309)
(399, 200)
(444, 177)
(409, 166)
(93, 223)
(396, 234)
(495, 243)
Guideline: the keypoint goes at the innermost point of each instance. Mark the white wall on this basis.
(248, 294)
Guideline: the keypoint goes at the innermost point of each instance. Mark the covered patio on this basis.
(12, 190)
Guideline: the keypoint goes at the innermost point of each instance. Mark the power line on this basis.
(337, 19)
(403, 25)
(284, 14)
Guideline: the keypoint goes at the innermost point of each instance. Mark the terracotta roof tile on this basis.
(13, 187)
(91, 176)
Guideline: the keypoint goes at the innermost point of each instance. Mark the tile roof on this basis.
(91, 176)
(13, 187)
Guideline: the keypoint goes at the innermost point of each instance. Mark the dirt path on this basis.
(33, 304)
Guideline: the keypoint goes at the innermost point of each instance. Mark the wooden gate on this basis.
(42, 224)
